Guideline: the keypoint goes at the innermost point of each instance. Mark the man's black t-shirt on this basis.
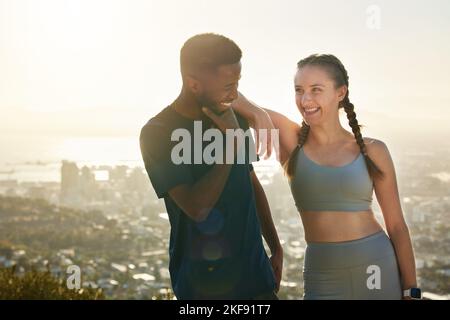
(222, 257)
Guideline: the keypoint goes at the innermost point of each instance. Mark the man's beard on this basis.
(205, 101)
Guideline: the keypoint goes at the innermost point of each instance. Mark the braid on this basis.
(353, 122)
(349, 109)
(339, 74)
(289, 165)
(303, 134)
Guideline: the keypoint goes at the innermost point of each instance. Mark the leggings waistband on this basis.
(332, 255)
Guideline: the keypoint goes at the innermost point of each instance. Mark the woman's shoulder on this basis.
(377, 150)
(372, 143)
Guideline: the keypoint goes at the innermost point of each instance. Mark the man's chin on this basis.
(215, 107)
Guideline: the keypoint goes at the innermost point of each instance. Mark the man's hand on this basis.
(277, 265)
(227, 121)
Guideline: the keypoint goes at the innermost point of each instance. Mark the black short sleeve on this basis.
(156, 147)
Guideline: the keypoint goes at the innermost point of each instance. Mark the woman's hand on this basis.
(224, 120)
(265, 133)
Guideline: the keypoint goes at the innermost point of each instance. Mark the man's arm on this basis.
(268, 229)
(197, 200)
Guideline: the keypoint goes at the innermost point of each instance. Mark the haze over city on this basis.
(82, 77)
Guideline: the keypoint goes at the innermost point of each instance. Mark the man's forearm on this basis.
(206, 192)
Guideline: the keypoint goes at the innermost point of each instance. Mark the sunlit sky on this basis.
(101, 68)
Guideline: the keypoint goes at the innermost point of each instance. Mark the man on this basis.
(216, 211)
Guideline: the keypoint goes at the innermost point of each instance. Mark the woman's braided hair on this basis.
(338, 73)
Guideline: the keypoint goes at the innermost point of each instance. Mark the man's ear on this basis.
(194, 85)
(342, 91)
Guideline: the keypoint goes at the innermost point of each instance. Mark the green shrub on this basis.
(36, 285)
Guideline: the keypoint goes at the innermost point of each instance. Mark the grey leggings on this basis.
(360, 269)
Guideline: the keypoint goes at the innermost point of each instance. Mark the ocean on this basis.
(33, 158)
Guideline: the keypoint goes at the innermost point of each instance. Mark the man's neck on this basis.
(188, 106)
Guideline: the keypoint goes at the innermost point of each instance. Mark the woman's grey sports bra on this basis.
(323, 188)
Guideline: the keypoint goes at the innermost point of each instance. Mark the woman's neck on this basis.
(328, 134)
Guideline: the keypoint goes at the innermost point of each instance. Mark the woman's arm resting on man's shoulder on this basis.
(266, 119)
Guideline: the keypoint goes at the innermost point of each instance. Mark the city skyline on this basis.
(124, 211)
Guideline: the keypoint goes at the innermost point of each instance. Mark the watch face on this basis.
(416, 293)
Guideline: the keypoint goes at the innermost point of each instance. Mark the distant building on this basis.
(87, 184)
(70, 183)
(37, 192)
(138, 181)
(69, 176)
(118, 173)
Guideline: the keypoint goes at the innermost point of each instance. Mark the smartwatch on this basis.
(413, 293)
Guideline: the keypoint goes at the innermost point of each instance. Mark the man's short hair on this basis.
(206, 52)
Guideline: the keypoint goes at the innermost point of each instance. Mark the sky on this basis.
(94, 69)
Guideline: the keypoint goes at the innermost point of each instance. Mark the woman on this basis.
(332, 174)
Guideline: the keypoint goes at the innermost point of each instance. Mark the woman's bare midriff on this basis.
(338, 226)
